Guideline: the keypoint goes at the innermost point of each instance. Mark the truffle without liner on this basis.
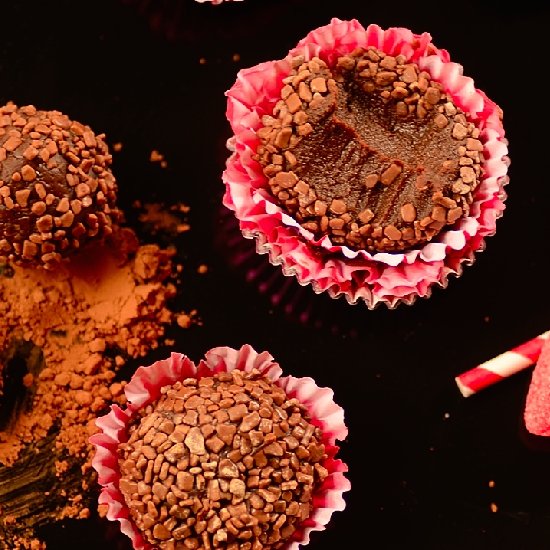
(56, 187)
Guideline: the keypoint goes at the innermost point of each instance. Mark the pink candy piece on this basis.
(537, 406)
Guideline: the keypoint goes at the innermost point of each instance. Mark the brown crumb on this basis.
(202, 269)
(102, 510)
(156, 156)
(183, 320)
(159, 218)
(28, 380)
(117, 147)
(236, 57)
(202, 61)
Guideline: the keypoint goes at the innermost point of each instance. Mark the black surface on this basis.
(420, 455)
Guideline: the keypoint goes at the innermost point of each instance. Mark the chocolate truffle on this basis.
(225, 461)
(371, 152)
(56, 186)
(365, 163)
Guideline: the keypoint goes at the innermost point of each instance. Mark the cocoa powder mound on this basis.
(81, 322)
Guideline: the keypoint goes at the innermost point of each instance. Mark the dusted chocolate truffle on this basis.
(221, 461)
(372, 153)
(56, 187)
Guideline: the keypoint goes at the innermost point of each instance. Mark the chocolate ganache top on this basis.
(372, 152)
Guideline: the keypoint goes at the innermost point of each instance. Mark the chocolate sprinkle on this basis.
(56, 187)
(228, 461)
(371, 152)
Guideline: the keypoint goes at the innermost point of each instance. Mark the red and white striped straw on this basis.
(494, 370)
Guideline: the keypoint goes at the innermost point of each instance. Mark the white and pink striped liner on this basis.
(388, 278)
(145, 388)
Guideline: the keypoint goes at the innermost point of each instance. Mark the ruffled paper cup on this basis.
(215, 2)
(360, 276)
(145, 388)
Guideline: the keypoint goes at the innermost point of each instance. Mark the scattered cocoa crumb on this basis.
(236, 57)
(27, 544)
(102, 510)
(202, 61)
(494, 507)
(202, 269)
(159, 218)
(158, 157)
(185, 320)
(28, 380)
(117, 147)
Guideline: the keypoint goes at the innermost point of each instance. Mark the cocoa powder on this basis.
(88, 316)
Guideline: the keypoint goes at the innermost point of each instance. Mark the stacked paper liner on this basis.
(360, 276)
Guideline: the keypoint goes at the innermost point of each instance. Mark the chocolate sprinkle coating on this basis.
(56, 187)
(371, 152)
(228, 461)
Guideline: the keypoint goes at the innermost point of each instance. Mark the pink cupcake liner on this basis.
(145, 388)
(215, 2)
(374, 278)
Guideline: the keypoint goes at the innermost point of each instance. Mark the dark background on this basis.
(420, 455)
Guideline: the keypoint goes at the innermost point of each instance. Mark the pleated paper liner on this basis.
(145, 388)
(390, 279)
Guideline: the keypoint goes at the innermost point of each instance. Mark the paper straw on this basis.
(494, 370)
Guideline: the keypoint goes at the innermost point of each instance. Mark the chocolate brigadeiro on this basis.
(56, 186)
(372, 153)
(365, 163)
(223, 458)
(236, 468)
